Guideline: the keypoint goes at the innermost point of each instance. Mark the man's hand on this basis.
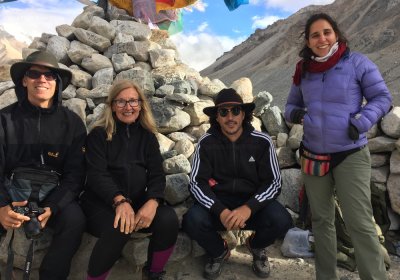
(44, 218)
(237, 218)
(146, 214)
(10, 219)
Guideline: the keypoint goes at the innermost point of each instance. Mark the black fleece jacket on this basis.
(57, 133)
(247, 169)
(130, 164)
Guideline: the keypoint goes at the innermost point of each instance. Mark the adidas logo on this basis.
(251, 159)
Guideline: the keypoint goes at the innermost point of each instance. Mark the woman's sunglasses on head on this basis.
(34, 74)
(223, 112)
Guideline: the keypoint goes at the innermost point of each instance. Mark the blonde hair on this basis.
(107, 120)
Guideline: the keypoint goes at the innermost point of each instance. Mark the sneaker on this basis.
(214, 265)
(260, 260)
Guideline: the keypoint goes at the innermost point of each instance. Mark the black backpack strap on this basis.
(10, 259)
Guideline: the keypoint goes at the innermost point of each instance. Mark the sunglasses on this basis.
(121, 103)
(223, 112)
(34, 74)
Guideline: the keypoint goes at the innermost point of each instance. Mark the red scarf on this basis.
(317, 67)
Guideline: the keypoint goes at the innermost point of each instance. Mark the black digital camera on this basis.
(32, 227)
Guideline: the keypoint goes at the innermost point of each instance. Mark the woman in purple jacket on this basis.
(327, 96)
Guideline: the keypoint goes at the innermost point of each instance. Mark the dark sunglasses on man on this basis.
(34, 74)
(223, 112)
(121, 103)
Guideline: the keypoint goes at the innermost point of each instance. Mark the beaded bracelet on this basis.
(119, 202)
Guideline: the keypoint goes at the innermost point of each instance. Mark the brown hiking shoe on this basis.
(260, 260)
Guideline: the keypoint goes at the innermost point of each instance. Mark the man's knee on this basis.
(194, 219)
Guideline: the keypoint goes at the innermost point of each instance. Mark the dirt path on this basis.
(238, 267)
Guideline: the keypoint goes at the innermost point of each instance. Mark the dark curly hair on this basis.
(306, 52)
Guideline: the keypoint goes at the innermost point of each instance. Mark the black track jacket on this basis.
(59, 134)
(247, 169)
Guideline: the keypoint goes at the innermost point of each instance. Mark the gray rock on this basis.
(141, 77)
(378, 160)
(95, 63)
(139, 31)
(102, 28)
(66, 31)
(78, 51)
(162, 57)
(176, 190)
(103, 76)
(391, 123)
(184, 147)
(286, 157)
(380, 174)
(381, 144)
(7, 98)
(5, 86)
(92, 39)
(395, 162)
(122, 62)
(291, 184)
(81, 79)
(178, 164)
(69, 92)
(393, 187)
(262, 101)
(78, 106)
(59, 46)
(273, 121)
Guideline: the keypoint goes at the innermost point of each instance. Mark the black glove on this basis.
(353, 132)
(297, 116)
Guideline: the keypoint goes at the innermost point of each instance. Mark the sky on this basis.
(209, 28)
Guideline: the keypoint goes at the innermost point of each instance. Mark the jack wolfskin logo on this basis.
(251, 159)
(51, 154)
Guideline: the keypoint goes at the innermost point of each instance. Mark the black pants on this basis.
(108, 248)
(68, 226)
(269, 223)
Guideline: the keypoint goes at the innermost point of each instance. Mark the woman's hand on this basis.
(10, 219)
(146, 214)
(124, 216)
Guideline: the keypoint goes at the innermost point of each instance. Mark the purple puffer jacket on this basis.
(334, 98)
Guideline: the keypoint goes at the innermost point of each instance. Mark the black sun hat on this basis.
(228, 97)
(41, 58)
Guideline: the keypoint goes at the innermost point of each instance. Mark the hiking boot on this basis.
(214, 265)
(260, 260)
(147, 275)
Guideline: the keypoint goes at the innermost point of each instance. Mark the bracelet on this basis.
(119, 202)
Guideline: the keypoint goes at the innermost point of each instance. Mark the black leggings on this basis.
(108, 248)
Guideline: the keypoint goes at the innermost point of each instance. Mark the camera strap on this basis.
(10, 260)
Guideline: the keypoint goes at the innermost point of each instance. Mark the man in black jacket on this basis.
(38, 132)
(235, 180)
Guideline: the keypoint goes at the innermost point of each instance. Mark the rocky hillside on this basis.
(10, 48)
(268, 56)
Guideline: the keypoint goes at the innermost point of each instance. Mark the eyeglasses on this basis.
(223, 112)
(34, 74)
(121, 103)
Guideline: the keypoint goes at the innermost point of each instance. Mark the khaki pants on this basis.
(350, 180)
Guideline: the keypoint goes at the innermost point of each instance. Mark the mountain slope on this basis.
(10, 48)
(268, 56)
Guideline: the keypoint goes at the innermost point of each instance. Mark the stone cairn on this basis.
(100, 48)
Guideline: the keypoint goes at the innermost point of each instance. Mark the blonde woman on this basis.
(125, 184)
